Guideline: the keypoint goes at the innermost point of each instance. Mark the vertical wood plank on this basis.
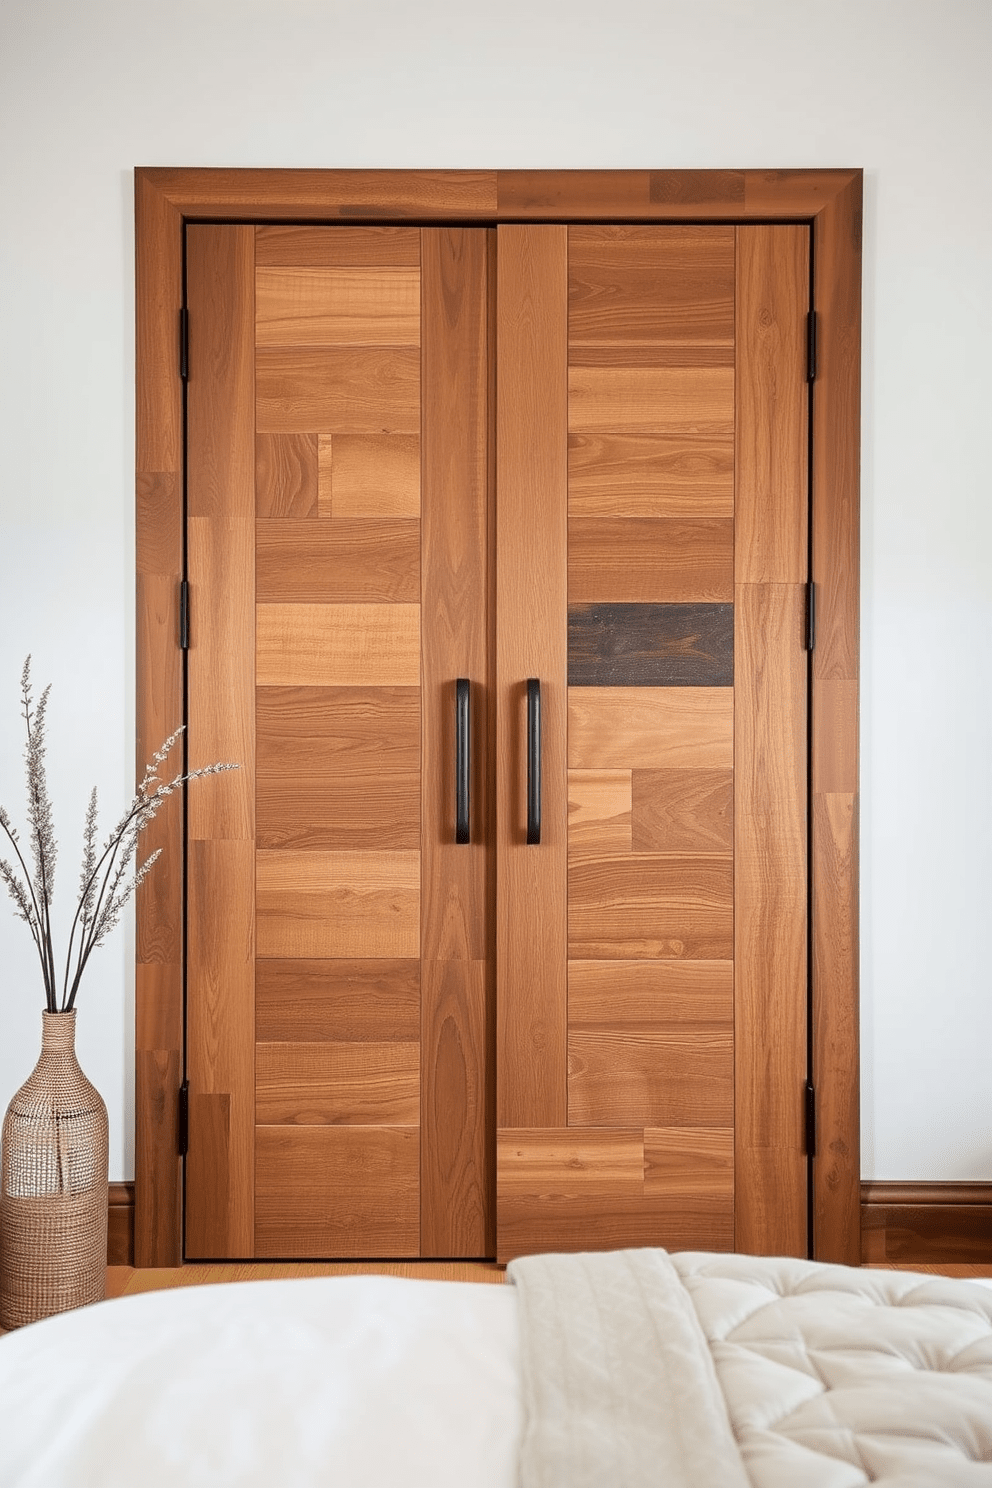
(457, 1170)
(531, 642)
(220, 1037)
(158, 540)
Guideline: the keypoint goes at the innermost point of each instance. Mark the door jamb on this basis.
(165, 200)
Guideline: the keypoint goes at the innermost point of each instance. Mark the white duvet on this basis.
(631, 1369)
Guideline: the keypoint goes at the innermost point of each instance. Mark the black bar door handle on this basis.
(533, 761)
(463, 759)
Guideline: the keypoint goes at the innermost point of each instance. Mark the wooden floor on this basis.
(125, 1281)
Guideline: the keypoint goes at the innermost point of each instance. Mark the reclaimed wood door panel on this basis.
(651, 1080)
(340, 979)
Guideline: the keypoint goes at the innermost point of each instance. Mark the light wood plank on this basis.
(344, 733)
(295, 246)
(651, 905)
(772, 404)
(334, 1000)
(561, 1162)
(690, 1161)
(625, 995)
(338, 645)
(458, 1007)
(356, 389)
(328, 811)
(530, 642)
(692, 400)
(652, 1078)
(348, 560)
(682, 811)
(770, 883)
(653, 285)
(316, 904)
(337, 1191)
(620, 728)
(369, 475)
(661, 559)
(598, 811)
(286, 475)
(651, 475)
(351, 1084)
(356, 306)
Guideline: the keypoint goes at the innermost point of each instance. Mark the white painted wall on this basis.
(899, 87)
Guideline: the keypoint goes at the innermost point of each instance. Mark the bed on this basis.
(611, 1370)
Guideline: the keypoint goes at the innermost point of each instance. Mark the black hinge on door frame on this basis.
(810, 1118)
(811, 346)
(184, 344)
(184, 614)
(810, 616)
(182, 1120)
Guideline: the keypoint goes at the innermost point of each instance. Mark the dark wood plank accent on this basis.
(457, 1174)
(120, 1224)
(531, 596)
(298, 999)
(682, 811)
(831, 199)
(286, 475)
(926, 1223)
(651, 645)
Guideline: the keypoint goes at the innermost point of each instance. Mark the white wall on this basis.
(897, 86)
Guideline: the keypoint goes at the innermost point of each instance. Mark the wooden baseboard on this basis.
(926, 1222)
(120, 1225)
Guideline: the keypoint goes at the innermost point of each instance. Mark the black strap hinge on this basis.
(184, 614)
(810, 1097)
(810, 616)
(182, 1120)
(811, 346)
(184, 344)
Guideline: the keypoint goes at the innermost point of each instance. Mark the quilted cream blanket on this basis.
(708, 1371)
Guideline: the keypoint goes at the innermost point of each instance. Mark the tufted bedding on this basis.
(618, 1370)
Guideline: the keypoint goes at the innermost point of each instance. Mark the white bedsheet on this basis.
(359, 1382)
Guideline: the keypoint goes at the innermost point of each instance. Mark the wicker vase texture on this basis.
(53, 1186)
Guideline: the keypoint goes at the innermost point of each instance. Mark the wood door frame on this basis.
(830, 200)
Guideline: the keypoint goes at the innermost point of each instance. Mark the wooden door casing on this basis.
(830, 202)
(339, 962)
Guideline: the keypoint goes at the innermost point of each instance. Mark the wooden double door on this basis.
(568, 466)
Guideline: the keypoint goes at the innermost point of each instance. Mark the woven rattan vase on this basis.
(53, 1186)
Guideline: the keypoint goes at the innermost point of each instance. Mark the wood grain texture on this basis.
(630, 995)
(650, 559)
(682, 811)
(656, 1077)
(771, 524)
(327, 811)
(771, 920)
(355, 306)
(693, 400)
(530, 642)
(326, 904)
(302, 248)
(365, 390)
(369, 475)
(650, 727)
(599, 811)
(457, 1050)
(305, 195)
(286, 475)
(650, 285)
(337, 645)
(337, 1191)
(298, 1000)
(651, 475)
(348, 560)
(650, 905)
(349, 732)
(918, 1224)
(351, 1083)
(651, 645)
(220, 1033)
(120, 1225)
